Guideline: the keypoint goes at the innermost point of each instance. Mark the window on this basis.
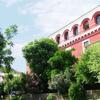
(86, 25)
(98, 19)
(85, 44)
(75, 31)
(58, 39)
(66, 36)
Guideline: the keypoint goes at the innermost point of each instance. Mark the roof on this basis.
(75, 20)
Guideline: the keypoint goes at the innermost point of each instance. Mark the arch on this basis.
(58, 38)
(84, 20)
(85, 24)
(95, 14)
(75, 29)
(66, 34)
(96, 17)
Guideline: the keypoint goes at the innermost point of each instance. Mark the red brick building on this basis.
(80, 33)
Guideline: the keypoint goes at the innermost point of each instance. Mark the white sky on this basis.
(39, 18)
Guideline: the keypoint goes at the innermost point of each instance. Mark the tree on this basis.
(88, 68)
(14, 85)
(62, 60)
(6, 58)
(62, 73)
(37, 54)
(6, 43)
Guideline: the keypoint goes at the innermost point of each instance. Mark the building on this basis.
(79, 33)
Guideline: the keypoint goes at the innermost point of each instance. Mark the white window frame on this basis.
(84, 42)
(69, 48)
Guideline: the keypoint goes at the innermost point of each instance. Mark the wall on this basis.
(76, 41)
(91, 95)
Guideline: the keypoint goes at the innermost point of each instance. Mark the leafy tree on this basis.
(59, 83)
(87, 72)
(62, 73)
(14, 84)
(62, 60)
(6, 58)
(37, 54)
(6, 43)
(88, 68)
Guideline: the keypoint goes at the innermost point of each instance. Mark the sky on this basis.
(38, 19)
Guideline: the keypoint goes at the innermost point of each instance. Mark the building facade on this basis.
(80, 33)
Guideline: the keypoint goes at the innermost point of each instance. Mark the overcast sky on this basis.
(39, 18)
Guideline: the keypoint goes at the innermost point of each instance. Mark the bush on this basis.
(76, 92)
(88, 68)
(50, 97)
(59, 83)
(15, 98)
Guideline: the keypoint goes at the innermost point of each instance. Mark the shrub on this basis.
(88, 68)
(50, 97)
(76, 92)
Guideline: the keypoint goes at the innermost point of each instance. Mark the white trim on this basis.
(69, 48)
(84, 42)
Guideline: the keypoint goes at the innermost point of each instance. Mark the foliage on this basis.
(62, 59)
(62, 74)
(88, 68)
(14, 84)
(33, 83)
(6, 58)
(50, 97)
(86, 26)
(76, 92)
(15, 97)
(10, 32)
(59, 83)
(54, 72)
(37, 54)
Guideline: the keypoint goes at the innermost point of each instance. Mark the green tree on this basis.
(62, 60)
(37, 54)
(6, 43)
(14, 84)
(88, 67)
(62, 73)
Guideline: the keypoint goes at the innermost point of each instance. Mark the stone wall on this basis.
(91, 95)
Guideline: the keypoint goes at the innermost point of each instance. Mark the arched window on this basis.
(75, 31)
(86, 25)
(98, 19)
(58, 39)
(66, 36)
